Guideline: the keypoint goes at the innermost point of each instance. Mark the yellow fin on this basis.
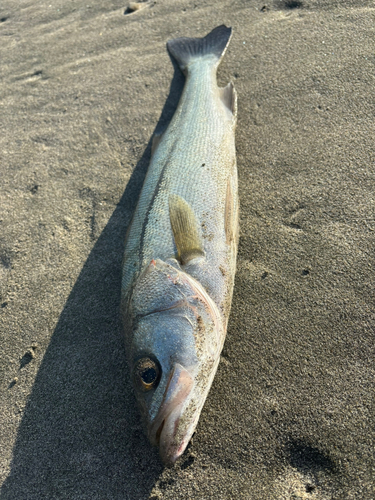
(185, 229)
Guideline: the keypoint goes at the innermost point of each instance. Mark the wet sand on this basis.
(291, 411)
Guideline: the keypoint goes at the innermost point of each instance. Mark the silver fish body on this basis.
(180, 251)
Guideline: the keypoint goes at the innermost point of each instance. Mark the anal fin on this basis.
(228, 95)
(185, 229)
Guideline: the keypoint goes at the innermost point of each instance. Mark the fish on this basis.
(180, 251)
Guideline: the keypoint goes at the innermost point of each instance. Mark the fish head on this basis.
(177, 340)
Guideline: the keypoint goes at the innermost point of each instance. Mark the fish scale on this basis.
(177, 167)
(181, 246)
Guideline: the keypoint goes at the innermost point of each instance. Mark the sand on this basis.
(291, 411)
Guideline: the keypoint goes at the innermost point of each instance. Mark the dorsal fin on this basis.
(228, 95)
(185, 229)
(156, 141)
(228, 213)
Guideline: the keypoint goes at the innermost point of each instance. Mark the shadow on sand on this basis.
(80, 435)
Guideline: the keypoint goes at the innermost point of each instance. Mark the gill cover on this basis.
(164, 286)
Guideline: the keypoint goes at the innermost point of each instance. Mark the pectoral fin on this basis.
(185, 229)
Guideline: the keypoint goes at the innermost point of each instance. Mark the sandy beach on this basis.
(84, 86)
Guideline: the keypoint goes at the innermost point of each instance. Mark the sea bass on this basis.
(180, 251)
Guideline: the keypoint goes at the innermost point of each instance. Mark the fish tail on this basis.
(188, 50)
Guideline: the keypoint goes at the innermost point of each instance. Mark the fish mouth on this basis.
(165, 430)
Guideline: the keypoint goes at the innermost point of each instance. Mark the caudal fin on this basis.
(186, 50)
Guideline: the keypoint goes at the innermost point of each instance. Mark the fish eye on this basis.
(147, 373)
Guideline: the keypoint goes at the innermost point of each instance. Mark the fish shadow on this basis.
(80, 435)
